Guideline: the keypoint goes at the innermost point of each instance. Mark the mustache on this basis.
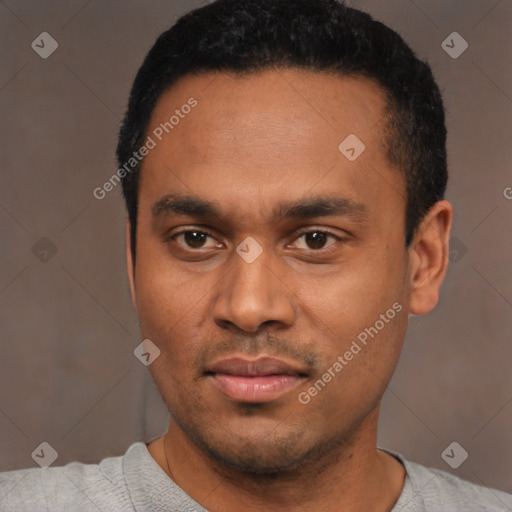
(266, 344)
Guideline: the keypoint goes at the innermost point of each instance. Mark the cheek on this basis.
(163, 294)
(353, 297)
(366, 369)
(168, 308)
(360, 317)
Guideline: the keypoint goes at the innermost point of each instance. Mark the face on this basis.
(271, 269)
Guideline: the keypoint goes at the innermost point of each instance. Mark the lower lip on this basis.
(257, 389)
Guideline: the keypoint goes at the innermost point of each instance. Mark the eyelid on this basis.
(312, 229)
(324, 250)
(188, 229)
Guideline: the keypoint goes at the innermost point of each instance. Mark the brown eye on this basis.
(193, 239)
(316, 240)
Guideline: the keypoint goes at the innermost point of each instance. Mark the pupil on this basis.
(194, 239)
(318, 239)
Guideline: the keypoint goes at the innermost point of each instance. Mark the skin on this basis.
(250, 144)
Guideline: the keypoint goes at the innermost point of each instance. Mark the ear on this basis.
(129, 263)
(428, 258)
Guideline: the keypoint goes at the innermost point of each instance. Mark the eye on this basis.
(193, 238)
(316, 239)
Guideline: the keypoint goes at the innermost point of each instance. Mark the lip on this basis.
(254, 381)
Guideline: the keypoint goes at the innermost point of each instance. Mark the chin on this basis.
(260, 451)
(259, 459)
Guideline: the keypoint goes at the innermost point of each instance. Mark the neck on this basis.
(354, 475)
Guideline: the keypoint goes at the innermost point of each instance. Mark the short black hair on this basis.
(243, 36)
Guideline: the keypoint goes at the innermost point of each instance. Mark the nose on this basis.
(252, 294)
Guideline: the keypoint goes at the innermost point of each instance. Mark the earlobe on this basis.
(129, 264)
(429, 254)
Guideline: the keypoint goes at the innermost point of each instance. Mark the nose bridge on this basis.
(251, 293)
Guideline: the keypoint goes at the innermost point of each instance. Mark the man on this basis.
(284, 167)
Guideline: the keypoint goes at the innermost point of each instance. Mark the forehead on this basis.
(269, 134)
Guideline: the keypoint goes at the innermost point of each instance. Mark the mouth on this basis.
(254, 381)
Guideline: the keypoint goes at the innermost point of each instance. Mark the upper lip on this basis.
(254, 367)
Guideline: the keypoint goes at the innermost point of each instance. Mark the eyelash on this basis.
(205, 231)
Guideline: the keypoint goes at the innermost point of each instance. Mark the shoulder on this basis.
(75, 486)
(429, 489)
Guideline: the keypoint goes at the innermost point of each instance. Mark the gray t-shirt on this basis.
(135, 482)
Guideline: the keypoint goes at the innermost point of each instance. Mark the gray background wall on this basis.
(67, 371)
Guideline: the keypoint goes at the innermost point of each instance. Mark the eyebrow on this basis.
(305, 208)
